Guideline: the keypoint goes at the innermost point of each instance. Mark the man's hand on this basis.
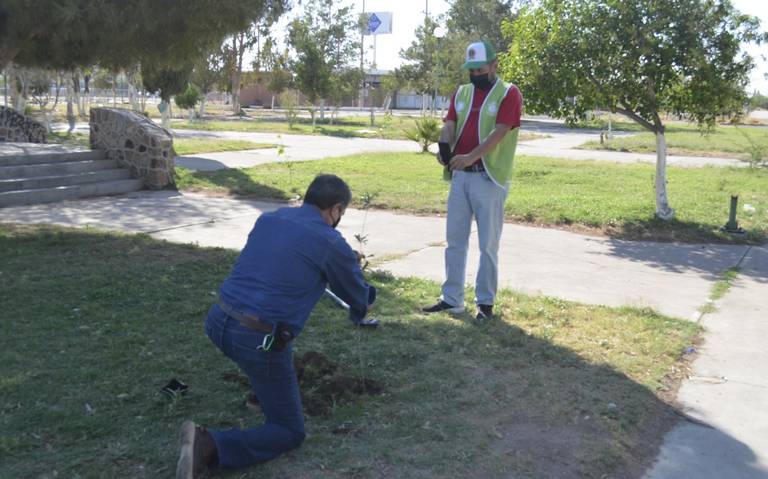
(360, 256)
(439, 158)
(459, 162)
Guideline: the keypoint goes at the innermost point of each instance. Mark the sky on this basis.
(758, 8)
(409, 14)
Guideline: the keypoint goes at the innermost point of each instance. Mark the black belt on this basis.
(475, 168)
(247, 320)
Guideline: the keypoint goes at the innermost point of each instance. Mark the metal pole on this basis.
(362, 68)
(732, 224)
(338, 300)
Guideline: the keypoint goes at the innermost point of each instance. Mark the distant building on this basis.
(255, 93)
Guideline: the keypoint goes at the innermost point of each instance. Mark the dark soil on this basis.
(322, 385)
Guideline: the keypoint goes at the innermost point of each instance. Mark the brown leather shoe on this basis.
(198, 451)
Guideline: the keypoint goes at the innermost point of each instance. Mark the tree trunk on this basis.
(236, 93)
(165, 111)
(46, 119)
(75, 84)
(70, 100)
(202, 106)
(322, 110)
(132, 97)
(70, 115)
(663, 210)
(86, 93)
(18, 89)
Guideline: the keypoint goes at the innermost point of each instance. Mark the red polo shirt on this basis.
(509, 114)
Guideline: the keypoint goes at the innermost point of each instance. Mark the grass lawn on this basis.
(723, 141)
(390, 127)
(103, 321)
(183, 146)
(616, 199)
(189, 146)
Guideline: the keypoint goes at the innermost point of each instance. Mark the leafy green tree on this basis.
(188, 100)
(635, 57)
(40, 82)
(115, 34)
(758, 101)
(208, 72)
(236, 47)
(472, 20)
(420, 70)
(277, 66)
(167, 82)
(432, 62)
(324, 40)
(344, 87)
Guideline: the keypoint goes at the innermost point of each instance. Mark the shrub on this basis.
(290, 104)
(426, 132)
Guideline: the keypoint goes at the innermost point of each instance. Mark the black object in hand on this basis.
(445, 152)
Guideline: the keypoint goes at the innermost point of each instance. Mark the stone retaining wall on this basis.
(16, 127)
(136, 143)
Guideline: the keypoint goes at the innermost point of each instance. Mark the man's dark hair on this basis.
(326, 191)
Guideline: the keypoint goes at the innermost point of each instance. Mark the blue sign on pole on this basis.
(373, 23)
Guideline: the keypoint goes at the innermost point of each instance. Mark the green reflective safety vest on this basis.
(498, 163)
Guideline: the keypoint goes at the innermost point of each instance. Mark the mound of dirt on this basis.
(322, 385)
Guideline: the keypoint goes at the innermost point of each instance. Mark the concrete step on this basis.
(40, 182)
(51, 195)
(35, 158)
(54, 169)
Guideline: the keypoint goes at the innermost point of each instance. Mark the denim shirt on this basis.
(290, 257)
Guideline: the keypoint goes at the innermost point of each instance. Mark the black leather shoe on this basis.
(484, 312)
(442, 306)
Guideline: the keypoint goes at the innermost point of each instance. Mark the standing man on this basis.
(481, 126)
(280, 275)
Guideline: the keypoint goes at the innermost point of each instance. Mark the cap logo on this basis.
(471, 53)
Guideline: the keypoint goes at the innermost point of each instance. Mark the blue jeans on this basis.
(473, 195)
(273, 381)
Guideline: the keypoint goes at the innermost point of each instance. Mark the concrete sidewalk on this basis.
(729, 390)
(561, 143)
(296, 148)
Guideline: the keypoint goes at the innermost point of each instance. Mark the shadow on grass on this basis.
(107, 320)
(679, 247)
(655, 229)
(230, 180)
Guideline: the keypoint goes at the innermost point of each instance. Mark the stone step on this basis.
(64, 180)
(51, 195)
(54, 169)
(35, 158)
